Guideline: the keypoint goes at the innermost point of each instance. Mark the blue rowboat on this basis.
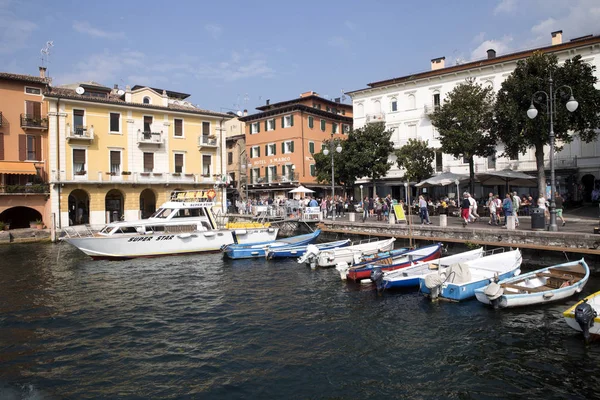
(254, 250)
(459, 282)
(298, 251)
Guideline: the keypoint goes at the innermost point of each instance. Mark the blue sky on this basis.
(236, 54)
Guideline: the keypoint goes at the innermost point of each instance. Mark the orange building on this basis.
(23, 149)
(282, 138)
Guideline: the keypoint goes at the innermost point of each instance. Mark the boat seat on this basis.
(526, 289)
(567, 276)
(385, 261)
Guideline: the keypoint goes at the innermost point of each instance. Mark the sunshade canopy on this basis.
(301, 189)
(17, 168)
(443, 179)
(506, 177)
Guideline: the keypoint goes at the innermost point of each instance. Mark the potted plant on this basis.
(32, 224)
(39, 223)
(3, 226)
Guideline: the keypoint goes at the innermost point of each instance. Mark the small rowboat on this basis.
(583, 317)
(537, 287)
(406, 259)
(297, 251)
(351, 254)
(237, 251)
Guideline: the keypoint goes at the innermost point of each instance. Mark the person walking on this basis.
(507, 208)
(558, 201)
(516, 202)
(473, 216)
(491, 204)
(365, 207)
(423, 213)
(542, 206)
(465, 207)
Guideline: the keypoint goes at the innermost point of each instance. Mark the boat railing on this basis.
(496, 250)
(78, 231)
(193, 195)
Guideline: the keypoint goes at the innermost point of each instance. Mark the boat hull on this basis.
(569, 316)
(298, 251)
(331, 258)
(238, 251)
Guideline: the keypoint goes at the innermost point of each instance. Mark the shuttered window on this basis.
(115, 162)
(311, 122)
(323, 125)
(1, 146)
(311, 147)
(34, 148)
(22, 147)
(178, 127)
(178, 163)
(147, 124)
(312, 170)
(79, 161)
(78, 125)
(206, 164)
(115, 119)
(206, 128)
(148, 162)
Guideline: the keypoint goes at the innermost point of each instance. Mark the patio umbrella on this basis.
(443, 179)
(506, 177)
(301, 189)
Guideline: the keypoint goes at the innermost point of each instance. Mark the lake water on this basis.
(198, 327)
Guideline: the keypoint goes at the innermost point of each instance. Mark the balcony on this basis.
(430, 108)
(80, 132)
(155, 138)
(275, 179)
(30, 121)
(372, 118)
(41, 188)
(207, 141)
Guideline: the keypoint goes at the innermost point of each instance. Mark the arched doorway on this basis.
(19, 217)
(113, 205)
(79, 207)
(147, 203)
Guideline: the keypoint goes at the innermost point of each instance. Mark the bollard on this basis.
(391, 219)
(322, 216)
(443, 220)
(352, 217)
(510, 222)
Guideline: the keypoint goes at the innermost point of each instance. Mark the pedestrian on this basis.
(516, 202)
(542, 206)
(507, 208)
(558, 201)
(498, 204)
(491, 205)
(473, 216)
(365, 207)
(423, 213)
(465, 206)
(378, 209)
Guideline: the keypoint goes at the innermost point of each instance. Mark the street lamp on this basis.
(326, 151)
(406, 192)
(361, 193)
(247, 167)
(532, 112)
(457, 182)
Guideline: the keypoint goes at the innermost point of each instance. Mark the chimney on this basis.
(268, 101)
(556, 37)
(116, 87)
(310, 93)
(43, 72)
(245, 113)
(491, 54)
(438, 63)
(127, 94)
(165, 99)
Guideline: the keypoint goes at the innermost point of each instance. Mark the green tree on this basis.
(519, 133)
(416, 157)
(464, 122)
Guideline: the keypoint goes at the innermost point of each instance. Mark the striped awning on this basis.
(17, 168)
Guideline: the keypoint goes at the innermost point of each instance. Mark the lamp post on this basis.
(326, 151)
(457, 182)
(361, 193)
(247, 167)
(532, 112)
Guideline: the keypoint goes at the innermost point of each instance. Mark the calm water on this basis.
(201, 327)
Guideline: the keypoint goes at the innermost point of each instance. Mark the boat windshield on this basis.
(163, 213)
(106, 230)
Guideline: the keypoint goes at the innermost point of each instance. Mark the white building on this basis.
(403, 103)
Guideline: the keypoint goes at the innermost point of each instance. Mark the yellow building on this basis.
(118, 154)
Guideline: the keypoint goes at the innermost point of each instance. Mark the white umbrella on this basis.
(301, 189)
(506, 177)
(443, 179)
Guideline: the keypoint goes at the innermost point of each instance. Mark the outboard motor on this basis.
(434, 282)
(584, 316)
(377, 278)
(310, 256)
(494, 292)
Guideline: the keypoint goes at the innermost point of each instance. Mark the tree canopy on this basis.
(519, 133)
(464, 122)
(416, 157)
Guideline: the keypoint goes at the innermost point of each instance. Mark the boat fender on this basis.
(342, 268)
(584, 316)
(377, 278)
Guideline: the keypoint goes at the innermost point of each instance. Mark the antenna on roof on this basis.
(45, 52)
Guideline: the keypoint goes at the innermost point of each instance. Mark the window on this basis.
(147, 125)
(312, 170)
(79, 161)
(311, 147)
(323, 125)
(412, 102)
(288, 171)
(270, 149)
(491, 162)
(514, 158)
(394, 105)
(270, 125)
(412, 131)
(360, 110)
(345, 129)
(255, 128)
(287, 147)
(34, 148)
(271, 173)
(178, 122)
(178, 163)
(32, 90)
(334, 127)
(148, 162)
(115, 162)
(255, 152)
(311, 122)
(147, 100)
(438, 161)
(206, 165)
(287, 121)
(377, 107)
(79, 122)
(328, 109)
(115, 122)
(465, 160)
(436, 100)
(229, 158)
(206, 128)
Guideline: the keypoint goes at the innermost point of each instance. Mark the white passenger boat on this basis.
(183, 225)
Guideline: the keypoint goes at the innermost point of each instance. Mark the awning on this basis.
(17, 168)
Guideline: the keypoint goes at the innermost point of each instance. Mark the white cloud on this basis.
(339, 41)
(14, 32)
(502, 46)
(579, 18)
(479, 37)
(505, 6)
(214, 30)
(238, 66)
(86, 28)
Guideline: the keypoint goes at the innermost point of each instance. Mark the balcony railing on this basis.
(150, 138)
(275, 179)
(79, 132)
(207, 141)
(40, 188)
(34, 121)
(378, 117)
(429, 108)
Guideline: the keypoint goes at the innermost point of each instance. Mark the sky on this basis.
(234, 55)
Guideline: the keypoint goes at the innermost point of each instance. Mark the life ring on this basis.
(211, 194)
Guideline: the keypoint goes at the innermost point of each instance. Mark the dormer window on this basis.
(147, 100)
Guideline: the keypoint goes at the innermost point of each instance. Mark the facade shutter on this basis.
(283, 170)
(178, 160)
(311, 147)
(1, 146)
(38, 148)
(292, 120)
(258, 151)
(266, 149)
(283, 122)
(115, 157)
(292, 146)
(274, 149)
(78, 156)
(266, 126)
(22, 147)
(311, 122)
(258, 127)
(282, 147)
(149, 161)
